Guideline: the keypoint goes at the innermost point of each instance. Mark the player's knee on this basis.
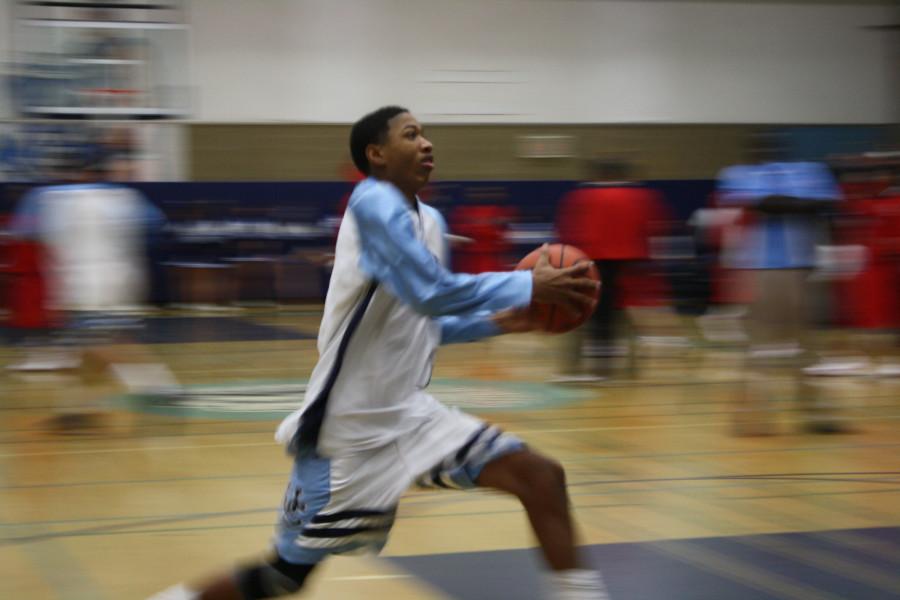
(543, 478)
(272, 579)
(552, 475)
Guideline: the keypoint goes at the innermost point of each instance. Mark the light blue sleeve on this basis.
(467, 328)
(391, 253)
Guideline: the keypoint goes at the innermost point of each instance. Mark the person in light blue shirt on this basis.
(785, 198)
(777, 253)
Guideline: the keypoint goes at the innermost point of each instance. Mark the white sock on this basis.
(176, 592)
(577, 584)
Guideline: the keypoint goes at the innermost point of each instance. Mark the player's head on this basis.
(389, 144)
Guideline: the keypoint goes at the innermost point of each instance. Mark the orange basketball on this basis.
(550, 317)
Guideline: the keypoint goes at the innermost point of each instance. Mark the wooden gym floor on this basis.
(668, 503)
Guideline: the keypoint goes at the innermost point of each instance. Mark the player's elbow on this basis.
(430, 305)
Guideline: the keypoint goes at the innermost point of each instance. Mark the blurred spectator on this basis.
(93, 237)
(613, 220)
(870, 223)
(777, 254)
(484, 218)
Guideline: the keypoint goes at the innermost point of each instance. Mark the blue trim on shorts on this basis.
(462, 469)
(308, 492)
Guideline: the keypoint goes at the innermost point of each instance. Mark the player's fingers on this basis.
(579, 268)
(585, 285)
(579, 306)
(581, 301)
(544, 257)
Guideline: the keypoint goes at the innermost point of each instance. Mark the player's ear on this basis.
(375, 155)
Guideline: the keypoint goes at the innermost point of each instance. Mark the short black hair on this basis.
(371, 129)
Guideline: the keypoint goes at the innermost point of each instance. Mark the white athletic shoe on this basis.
(176, 592)
(846, 367)
(888, 370)
(577, 584)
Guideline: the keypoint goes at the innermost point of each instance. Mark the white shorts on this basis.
(348, 503)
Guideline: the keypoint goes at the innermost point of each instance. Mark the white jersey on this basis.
(390, 304)
(95, 236)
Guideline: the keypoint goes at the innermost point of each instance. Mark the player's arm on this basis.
(471, 328)
(393, 255)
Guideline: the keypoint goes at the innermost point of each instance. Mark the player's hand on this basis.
(569, 287)
(513, 320)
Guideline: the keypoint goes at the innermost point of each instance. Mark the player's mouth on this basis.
(428, 162)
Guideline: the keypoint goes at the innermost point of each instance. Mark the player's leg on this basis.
(273, 578)
(540, 485)
(491, 458)
(331, 506)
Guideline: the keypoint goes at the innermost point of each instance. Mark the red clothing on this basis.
(27, 293)
(872, 299)
(610, 222)
(616, 222)
(487, 225)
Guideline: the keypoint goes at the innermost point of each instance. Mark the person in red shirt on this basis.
(612, 219)
(485, 219)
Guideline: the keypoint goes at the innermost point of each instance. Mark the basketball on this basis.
(551, 318)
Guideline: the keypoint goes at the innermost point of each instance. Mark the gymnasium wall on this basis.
(5, 50)
(544, 61)
(221, 152)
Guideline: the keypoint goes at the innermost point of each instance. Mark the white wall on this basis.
(5, 56)
(541, 61)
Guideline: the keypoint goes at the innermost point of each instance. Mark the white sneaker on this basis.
(838, 368)
(577, 584)
(888, 370)
(176, 592)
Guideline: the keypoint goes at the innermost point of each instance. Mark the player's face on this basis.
(407, 155)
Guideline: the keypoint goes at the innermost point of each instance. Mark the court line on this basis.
(774, 477)
(447, 497)
(145, 527)
(685, 425)
(523, 433)
(119, 527)
(135, 449)
(369, 577)
(145, 428)
(804, 495)
(279, 475)
(566, 462)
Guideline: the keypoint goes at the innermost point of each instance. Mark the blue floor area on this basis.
(858, 564)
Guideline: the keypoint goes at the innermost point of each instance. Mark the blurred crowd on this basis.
(790, 261)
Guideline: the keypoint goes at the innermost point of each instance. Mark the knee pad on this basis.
(272, 579)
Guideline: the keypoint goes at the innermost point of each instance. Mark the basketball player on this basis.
(368, 429)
